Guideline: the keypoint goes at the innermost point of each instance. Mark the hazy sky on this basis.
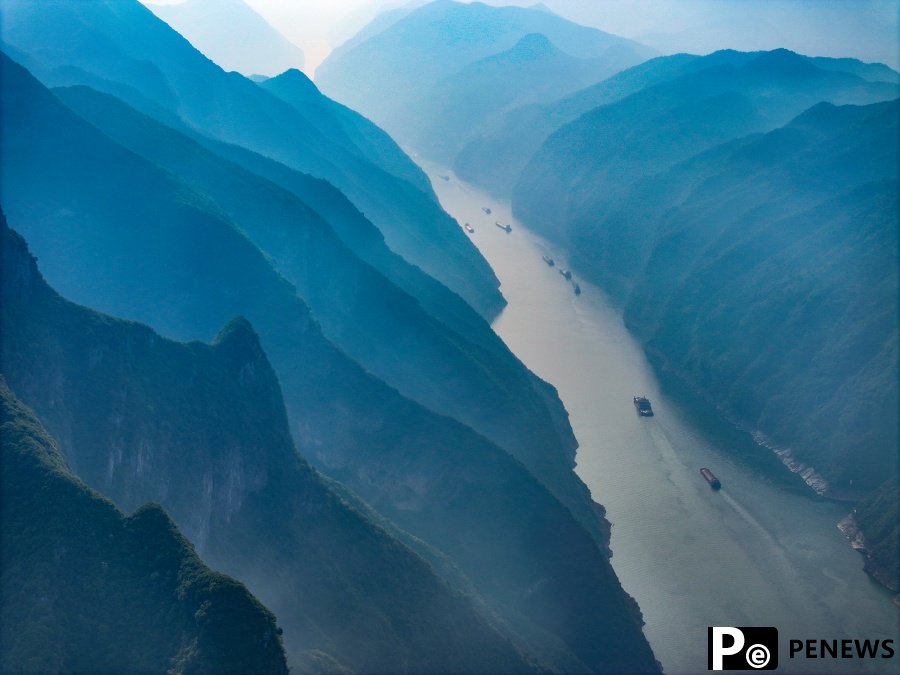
(865, 29)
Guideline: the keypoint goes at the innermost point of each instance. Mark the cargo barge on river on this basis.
(710, 477)
(642, 405)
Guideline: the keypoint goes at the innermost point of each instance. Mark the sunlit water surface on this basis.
(760, 552)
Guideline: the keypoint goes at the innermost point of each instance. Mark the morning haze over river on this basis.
(412, 337)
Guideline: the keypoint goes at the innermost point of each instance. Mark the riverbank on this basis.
(762, 551)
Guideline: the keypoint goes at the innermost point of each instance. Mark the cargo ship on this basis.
(469, 228)
(505, 228)
(486, 210)
(577, 289)
(566, 273)
(642, 405)
(710, 477)
(549, 261)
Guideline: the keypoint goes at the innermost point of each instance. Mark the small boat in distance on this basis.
(710, 477)
(506, 228)
(549, 261)
(642, 405)
(486, 210)
(566, 274)
(446, 178)
(469, 228)
(577, 289)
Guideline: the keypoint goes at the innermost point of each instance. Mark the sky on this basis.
(864, 29)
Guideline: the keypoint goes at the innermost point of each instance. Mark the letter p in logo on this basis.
(717, 648)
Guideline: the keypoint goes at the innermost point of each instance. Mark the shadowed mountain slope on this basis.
(770, 284)
(366, 315)
(120, 47)
(343, 125)
(146, 254)
(497, 157)
(88, 589)
(586, 166)
(763, 272)
(201, 429)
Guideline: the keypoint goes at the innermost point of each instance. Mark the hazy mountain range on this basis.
(427, 74)
(137, 209)
(233, 35)
(154, 69)
(239, 335)
(693, 189)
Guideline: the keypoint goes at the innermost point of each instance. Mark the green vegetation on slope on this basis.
(384, 329)
(769, 285)
(878, 518)
(84, 588)
(201, 429)
(386, 447)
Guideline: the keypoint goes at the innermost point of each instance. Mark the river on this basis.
(760, 552)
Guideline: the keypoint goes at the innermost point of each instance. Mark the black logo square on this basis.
(742, 647)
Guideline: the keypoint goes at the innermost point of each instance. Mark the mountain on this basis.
(88, 589)
(587, 165)
(441, 38)
(450, 66)
(121, 48)
(770, 286)
(202, 430)
(495, 157)
(129, 238)
(365, 314)
(449, 114)
(877, 520)
(762, 272)
(233, 35)
(341, 124)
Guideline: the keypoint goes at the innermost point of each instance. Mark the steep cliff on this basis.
(88, 589)
(202, 430)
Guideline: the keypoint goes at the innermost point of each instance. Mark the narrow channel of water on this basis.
(757, 553)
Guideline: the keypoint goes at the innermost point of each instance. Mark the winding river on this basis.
(760, 552)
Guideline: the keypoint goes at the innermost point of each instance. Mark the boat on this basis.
(577, 289)
(506, 228)
(710, 477)
(642, 405)
(469, 228)
(446, 178)
(486, 210)
(549, 261)
(566, 274)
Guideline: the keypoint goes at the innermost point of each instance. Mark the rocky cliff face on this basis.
(202, 430)
(86, 588)
(873, 529)
(146, 253)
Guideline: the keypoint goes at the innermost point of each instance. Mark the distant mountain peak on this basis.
(534, 45)
(297, 82)
(238, 335)
(541, 7)
(782, 63)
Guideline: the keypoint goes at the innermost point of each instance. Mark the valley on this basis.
(691, 557)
